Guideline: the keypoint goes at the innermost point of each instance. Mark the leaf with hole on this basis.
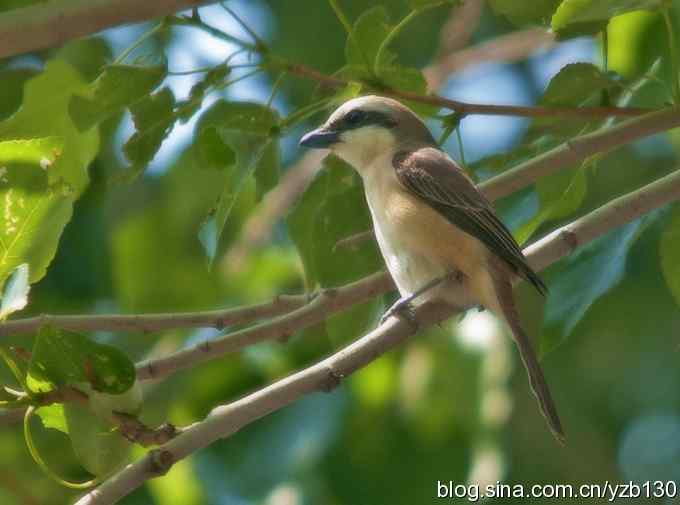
(117, 87)
(62, 358)
(154, 119)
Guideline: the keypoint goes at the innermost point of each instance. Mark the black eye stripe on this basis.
(358, 118)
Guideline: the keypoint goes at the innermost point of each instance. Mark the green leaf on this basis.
(575, 85)
(154, 119)
(234, 136)
(525, 13)
(63, 358)
(583, 17)
(52, 416)
(579, 280)
(394, 77)
(559, 195)
(44, 113)
(13, 81)
(211, 150)
(268, 170)
(424, 4)
(89, 56)
(35, 212)
(669, 250)
(99, 448)
(368, 33)
(15, 296)
(116, 88)
(331, 209)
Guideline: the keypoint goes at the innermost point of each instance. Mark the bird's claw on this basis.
(402, 309)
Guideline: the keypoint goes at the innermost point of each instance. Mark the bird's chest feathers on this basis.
(418, 244)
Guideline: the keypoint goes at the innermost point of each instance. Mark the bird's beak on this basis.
(320, 138)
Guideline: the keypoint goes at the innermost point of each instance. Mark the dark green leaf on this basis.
(394, 77)
(333, 208)
(268, 169)
(423, 4)
(154, 119)
(13, 81)
(239, 131)
(212, 151)
(580, 279)
(368, 33)
(559, 195)
(582, 17)
(99, 448)
(89, 56)
(669, 250)
(575, 85)
(63, 358)
(523, 13)
(116, 88)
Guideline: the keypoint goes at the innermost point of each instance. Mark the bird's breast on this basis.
(417, 243)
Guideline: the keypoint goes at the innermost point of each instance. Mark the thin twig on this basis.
(148, 323)
(466, 108)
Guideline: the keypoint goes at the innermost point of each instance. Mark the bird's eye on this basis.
(355, 117)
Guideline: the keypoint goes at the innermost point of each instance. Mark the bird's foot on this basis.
(403, 309)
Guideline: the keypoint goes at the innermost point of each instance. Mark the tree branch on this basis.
(577, 149)
(157, 322)
(49, 24)
(225, 420)
(466, 108)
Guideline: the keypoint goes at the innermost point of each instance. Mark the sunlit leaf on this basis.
(44, 113)
(64, 358)
(35, 212)
(582, 17)
(116, 88)
(154, 119)
(52, 416)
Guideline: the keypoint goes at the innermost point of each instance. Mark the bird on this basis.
(438, 234)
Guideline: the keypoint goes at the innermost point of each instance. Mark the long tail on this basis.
(539, 386)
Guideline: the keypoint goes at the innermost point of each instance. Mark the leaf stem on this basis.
(396, 31)
(146, 35)
(672, 42)
(350, 32)
(215, 32)
(258, 41)
(391, 36)
(304, 112)
(35, 454)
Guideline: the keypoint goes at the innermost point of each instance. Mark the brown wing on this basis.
(436, 179)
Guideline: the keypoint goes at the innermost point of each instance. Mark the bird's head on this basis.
(369, 126)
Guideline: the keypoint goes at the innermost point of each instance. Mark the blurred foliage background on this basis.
(454, 403)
